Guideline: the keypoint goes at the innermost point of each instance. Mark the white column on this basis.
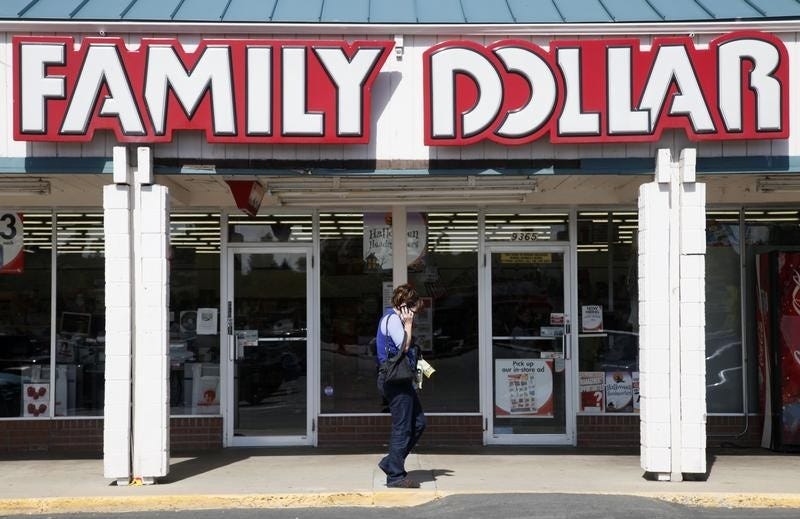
(399, 246)
(136, 421)
(117, 202)
(672, 319)
(151, 345)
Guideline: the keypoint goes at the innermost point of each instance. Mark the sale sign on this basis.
(12, 259)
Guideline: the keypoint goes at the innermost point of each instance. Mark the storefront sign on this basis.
(12, 257)
(588, 91)
(236, 91)
(523, 388)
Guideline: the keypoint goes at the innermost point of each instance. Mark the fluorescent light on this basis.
(10, 186)
(778, 184)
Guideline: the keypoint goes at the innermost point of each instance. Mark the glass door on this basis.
(528, 359)
(269, 295)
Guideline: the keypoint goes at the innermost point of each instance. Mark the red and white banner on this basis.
(615, 90)
(12, 256)
(236, 91)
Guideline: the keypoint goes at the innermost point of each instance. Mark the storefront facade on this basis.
(496, 173)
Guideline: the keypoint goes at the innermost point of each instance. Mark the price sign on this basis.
(11, 241)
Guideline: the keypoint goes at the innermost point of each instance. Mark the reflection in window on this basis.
(194, 304)
(723, 312)
(80, 314)
(25, 322)
(608, 312)
(766, 230)
(446, 329)
(273, 228)
(527, 227)
(351, 302)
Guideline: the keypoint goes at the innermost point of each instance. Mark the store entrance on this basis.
(527, 361)
(269, 295)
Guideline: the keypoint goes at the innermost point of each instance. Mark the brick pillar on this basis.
(672, 319)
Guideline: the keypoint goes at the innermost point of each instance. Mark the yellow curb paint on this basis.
(732, 500)
(205, 502)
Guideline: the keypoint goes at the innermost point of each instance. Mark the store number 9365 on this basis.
(523, 236)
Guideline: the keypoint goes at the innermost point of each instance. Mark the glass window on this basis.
(723, 313)
(25, 316)
(766, 230)
(270, 228)
(608, 317)
(194, 342)
(355, 274)
(80, 314)
(527, 227)
(443, 268)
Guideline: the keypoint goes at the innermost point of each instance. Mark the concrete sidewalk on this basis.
(248, 478)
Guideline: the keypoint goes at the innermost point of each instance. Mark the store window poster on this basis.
(619, 392)
(523, 388)
(592, 389)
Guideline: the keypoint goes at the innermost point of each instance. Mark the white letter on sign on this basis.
(572, 120)
(295, 119)
(259, 91)
(102, 65)
(542, 102)
(622, 119)
(445, 65)
(672, 64)
(765, 58)
(212, 71)
(349, 77)
(36, 87)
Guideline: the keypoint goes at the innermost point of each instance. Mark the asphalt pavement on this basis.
(313, 477)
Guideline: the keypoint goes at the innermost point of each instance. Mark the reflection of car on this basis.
(279, 358)
(10, 394)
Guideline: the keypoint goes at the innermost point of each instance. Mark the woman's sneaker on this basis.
(404, 483)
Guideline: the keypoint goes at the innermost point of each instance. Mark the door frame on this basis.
(487, 367)
(227, 346)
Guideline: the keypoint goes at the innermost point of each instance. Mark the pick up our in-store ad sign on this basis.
(319, 91)
(12, 259)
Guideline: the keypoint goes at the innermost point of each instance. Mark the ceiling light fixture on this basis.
(21, 186)
(399, 190)
(778, 184)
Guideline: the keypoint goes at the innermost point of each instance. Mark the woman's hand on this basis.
(407, 316)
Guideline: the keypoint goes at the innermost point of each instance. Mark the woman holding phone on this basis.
(408, 421)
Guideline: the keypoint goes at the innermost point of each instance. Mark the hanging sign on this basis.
(378, 241)
(247, 194)
(236, 91)
(12, 258)
(611, 90)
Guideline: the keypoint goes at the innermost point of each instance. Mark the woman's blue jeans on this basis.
(408, 423)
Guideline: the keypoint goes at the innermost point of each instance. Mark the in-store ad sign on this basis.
(614, 90)
(236, 91)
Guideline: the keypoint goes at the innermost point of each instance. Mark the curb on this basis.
(388, 498)
(117, 504)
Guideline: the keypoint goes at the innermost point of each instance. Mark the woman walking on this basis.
(408, 421)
